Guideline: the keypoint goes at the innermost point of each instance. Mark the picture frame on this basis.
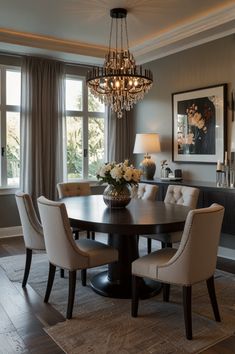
(199, 125)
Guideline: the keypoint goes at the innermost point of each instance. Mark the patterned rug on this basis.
(102, 325)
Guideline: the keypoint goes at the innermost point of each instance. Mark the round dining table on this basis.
(123, 227)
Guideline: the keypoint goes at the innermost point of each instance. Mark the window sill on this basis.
(8, 190)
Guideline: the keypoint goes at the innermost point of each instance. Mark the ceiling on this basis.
(78, 30)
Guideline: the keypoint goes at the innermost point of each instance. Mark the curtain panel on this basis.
(42, 111)
(120, 141)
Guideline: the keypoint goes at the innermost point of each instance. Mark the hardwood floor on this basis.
(23, 314)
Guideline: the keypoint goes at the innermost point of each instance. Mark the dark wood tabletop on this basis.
(139, 217)
(123, 227)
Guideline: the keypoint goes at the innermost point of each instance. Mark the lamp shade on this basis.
(147, 143)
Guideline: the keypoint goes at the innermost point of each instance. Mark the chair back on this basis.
(145, 191)
(195, 259)
(61, 248)
(32, 229)
(183, 195)
(73, 189)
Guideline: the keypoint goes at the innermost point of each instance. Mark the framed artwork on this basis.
(199, 125)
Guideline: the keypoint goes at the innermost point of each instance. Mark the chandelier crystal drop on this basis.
(120, 83)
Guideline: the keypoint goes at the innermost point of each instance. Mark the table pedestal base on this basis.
(103, 286)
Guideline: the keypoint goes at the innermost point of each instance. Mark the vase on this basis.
(117, 196)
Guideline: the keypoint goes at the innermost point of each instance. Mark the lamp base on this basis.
(148, 167)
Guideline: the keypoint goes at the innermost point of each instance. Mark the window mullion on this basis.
(3, 128)
(85, 131)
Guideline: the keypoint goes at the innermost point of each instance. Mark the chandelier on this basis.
(120, 83)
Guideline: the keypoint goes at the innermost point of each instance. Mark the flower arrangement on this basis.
(119, 174)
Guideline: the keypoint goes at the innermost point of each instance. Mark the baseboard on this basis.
(11, 231)
(226, 253)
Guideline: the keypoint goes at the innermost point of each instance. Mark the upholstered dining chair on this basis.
(75, 189)
(176, 194)
(32, 230)
(63, 251)
(193, 262)
(144, 191)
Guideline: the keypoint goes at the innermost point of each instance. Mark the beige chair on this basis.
(32, 229)
(193, 262)
(175, 194)
(144, 191)
(63, 251)
(75, 189)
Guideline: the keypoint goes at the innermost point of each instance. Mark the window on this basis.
(85, 130)
(10, 88)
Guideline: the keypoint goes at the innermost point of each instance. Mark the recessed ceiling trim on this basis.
(187, 30)
(51, 43)
(159, 45)
(179, 47)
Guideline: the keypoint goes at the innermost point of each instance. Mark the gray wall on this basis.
(9, 215)
(206, 65)
(9, 212)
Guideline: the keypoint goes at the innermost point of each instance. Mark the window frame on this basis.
(4, 108)
(85, 114)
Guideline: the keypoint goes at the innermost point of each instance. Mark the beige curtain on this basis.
(42, 116)
(120, 137)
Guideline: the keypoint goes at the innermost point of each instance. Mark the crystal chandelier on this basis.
(120, 83)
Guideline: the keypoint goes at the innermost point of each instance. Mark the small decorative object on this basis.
(232, 178)
(199, 124)
(120, 177)
(220, 178)
(163, 169)
(178, 173)
(147, 143)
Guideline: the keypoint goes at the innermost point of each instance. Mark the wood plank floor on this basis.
(23, 313)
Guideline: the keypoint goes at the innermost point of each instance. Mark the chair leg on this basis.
(211, 290)
(166, 292)
(83, 276)
(166, 244)
(92, 235)
(187, 303)
(149, 245)
(72, 286)
(76, 234)
(61, 273)
(135, 296)
(50, 281)
(27, 266)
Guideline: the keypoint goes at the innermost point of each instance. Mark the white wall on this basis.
(206, 65)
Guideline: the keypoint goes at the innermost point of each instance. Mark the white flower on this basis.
(116, 173)
(119, 174)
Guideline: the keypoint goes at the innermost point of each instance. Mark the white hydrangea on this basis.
(116, 173)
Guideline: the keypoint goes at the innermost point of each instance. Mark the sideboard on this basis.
(209, 194)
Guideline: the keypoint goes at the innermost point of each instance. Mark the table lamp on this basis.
(145, 144)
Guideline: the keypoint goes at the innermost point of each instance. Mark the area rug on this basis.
(103, 325)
